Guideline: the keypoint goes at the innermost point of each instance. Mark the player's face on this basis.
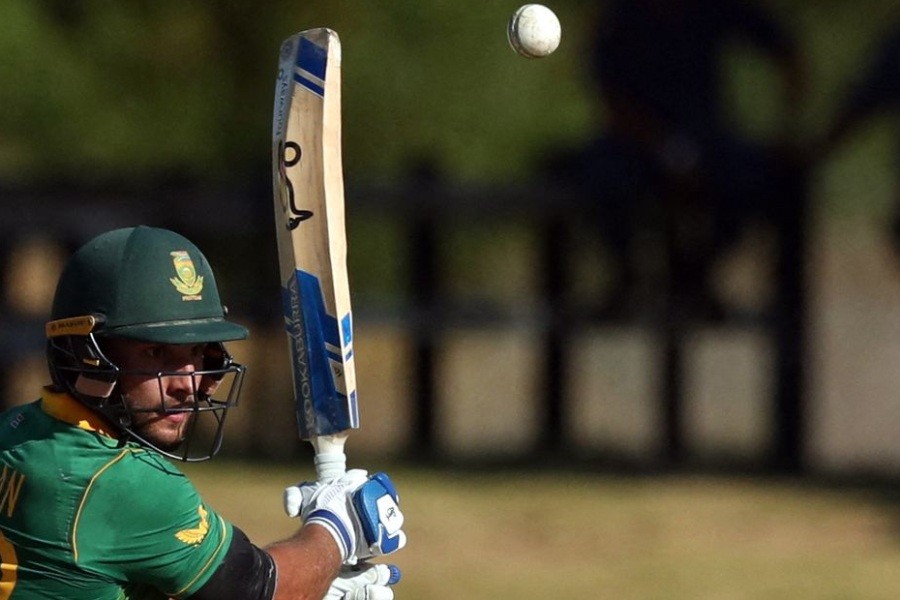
(145, 393)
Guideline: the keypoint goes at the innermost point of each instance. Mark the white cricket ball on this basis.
(534, 31)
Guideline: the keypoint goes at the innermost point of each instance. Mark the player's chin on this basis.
(167, 432)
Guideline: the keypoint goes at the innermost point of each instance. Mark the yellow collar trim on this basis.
(64, 407)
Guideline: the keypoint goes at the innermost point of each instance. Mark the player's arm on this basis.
(306, 563)
(299, 568)
(302, 567)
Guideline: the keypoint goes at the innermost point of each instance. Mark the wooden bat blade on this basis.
(310, 231)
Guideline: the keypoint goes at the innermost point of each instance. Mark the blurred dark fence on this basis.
(234, 225)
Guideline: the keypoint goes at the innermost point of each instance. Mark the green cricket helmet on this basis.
(150, 285)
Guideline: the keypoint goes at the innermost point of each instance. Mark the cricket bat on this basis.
(308, 187)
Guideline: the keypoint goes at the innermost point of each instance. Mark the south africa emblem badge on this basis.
(187, 282)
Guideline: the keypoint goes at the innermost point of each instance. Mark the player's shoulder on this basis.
(142, 520)
(14, 410)
(22, 423)
(12, 418)
(137, 487)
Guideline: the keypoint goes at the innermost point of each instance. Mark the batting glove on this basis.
(364, 582)
(361, 513)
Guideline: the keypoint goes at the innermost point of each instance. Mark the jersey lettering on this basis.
(10, 486)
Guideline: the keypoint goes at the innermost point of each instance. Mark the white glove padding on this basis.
(329, 505)
(360, 512)
(364, 582)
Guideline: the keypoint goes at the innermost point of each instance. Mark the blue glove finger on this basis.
(376, 503)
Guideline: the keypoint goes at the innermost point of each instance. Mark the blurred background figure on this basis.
(875, 93)
(667, 155)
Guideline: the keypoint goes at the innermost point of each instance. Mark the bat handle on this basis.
(330, 459)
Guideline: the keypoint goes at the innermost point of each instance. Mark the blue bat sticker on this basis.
(318, 357)
(310, 67)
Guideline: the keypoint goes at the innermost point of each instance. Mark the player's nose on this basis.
(182, 383)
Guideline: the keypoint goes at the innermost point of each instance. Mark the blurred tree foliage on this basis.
(102, 89)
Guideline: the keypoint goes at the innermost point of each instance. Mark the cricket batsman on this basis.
(91, 506)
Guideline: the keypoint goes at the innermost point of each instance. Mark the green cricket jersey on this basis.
(85, 516)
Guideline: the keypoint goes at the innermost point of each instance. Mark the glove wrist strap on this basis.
(336, 528)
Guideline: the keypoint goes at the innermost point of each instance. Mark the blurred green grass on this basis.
(511, 534)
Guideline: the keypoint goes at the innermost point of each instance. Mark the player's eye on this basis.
(154, 352)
